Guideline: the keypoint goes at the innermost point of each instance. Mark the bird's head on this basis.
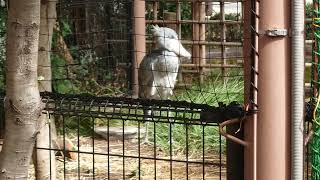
(163, 32)
(168, 39)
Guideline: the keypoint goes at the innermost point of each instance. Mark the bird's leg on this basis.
(147, 114)
(170, 116)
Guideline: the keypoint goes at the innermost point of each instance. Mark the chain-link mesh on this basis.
(102, 127)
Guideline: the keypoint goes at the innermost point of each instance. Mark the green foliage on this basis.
(60, 83)
(193, 140)
(233, 32)
(212, 93)
(213, 33)
(86, 75)
(186, 14)
(65, 27)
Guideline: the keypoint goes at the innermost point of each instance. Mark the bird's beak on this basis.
(184, 52)
(180, 50)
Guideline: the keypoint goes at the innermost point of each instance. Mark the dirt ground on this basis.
(83, 167)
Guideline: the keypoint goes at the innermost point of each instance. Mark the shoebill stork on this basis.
(159, 69)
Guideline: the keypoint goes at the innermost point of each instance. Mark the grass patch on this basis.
(212, 93)
(182, 135)
(186, 138)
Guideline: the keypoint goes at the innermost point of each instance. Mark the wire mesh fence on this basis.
(101, 131)
(180, 147)
(92, 54)
(179, 144)
(91, 40)
(99, 54)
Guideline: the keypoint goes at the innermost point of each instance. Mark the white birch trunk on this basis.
(23, 103)
(45, 165)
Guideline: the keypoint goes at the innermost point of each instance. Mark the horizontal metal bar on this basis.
(234, 1)
(190, 42)
(134, 118)
(193, 22)
(127, 65)
(135, 157)
(211, 65)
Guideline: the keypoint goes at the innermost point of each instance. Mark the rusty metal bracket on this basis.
(226, 115)
(231, 137)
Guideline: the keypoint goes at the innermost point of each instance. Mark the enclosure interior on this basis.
(101, 128)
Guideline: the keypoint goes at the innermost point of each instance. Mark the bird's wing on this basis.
(145, 70)
(157, 74)
(145, 77)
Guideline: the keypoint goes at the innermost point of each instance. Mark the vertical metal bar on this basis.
(139, 44)
(108, 139)
(273, 138)
(203, 152)
(187, 151)
(123, 149)
(64, 147)
(223, 39)
(307, 156)
(139, 149)
(93, 154)
(220, 156)
(254, 77)
(235, 155)
(51, 155)
(235, 152)
(250, 54)
(154, 145)
(78, 144)
(170, 141)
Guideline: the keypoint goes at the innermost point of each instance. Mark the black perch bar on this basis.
(208, 114)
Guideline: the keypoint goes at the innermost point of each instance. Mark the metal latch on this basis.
(277, 32)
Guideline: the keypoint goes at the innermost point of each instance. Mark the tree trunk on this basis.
(47, 23)
(44, 160)
(23, 104)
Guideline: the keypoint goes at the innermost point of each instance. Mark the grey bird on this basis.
(159, 69)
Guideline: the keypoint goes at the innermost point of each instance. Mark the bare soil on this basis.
(128, 168)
